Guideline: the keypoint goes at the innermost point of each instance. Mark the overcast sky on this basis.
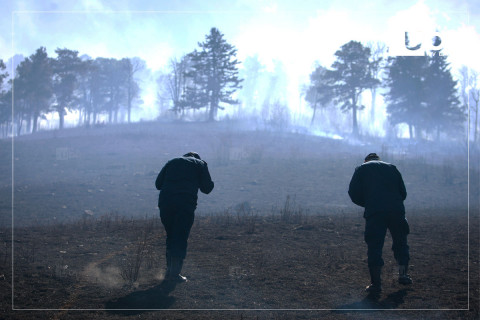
(298, 33)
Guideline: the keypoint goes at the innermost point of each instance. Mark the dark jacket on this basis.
(180, 179)
(378, 187)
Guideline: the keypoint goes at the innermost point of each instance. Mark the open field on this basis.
(239, 262)
(277, 232)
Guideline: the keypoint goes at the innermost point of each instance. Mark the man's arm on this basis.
(206, 183)
(403, 190)
(355, 189)
(160, 178)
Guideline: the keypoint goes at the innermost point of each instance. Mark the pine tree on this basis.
(5, 102)
(350, 76)
(34, 77)
(214, 74)
(405, 98)
(423, 95)
(319, 93)
(3, 74)
(65, 74)
(445, 114)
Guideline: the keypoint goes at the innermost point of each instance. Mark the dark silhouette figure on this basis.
(379, 188)
(179, 182)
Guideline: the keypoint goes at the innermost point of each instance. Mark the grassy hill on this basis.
(58, 175)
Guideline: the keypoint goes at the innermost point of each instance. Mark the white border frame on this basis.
(206, 309)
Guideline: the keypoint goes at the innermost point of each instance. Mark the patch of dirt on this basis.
(315, 262)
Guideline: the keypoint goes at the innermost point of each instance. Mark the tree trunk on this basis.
(211, 114)
(313, 116)
(35, 122)
(354, 115)
(19, 126)
(61, 116)
(29, 124)
(355, 123)
(410, 131)
(129, 106)
(372, 111)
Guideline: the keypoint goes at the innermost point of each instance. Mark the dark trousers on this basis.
(177, 219)
(375, 230)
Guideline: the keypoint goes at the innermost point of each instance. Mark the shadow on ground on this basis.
(141, 301)
(372, 301)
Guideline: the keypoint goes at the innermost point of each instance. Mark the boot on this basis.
(376, 280)
(176, 267)
(403, 276)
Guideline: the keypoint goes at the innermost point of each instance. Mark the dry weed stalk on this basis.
(130, 269)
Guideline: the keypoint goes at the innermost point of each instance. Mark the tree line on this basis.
(66, 83)
(419, 92)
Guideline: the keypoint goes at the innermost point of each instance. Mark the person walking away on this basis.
(378, 187)
(179, 182)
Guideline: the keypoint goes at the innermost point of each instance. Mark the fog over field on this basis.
(60, 175)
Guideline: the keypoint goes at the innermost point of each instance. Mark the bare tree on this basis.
(177, 83)
(377, 51)
(132, 66)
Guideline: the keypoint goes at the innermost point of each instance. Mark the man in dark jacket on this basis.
(379, 188)
(179, 181)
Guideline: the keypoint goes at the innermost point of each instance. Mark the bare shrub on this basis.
(276, 115)
(242, 214)
(130, 268)
(224, 218)
(246, 216)
(290, 212)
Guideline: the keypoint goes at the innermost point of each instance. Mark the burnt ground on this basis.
(277, 239)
